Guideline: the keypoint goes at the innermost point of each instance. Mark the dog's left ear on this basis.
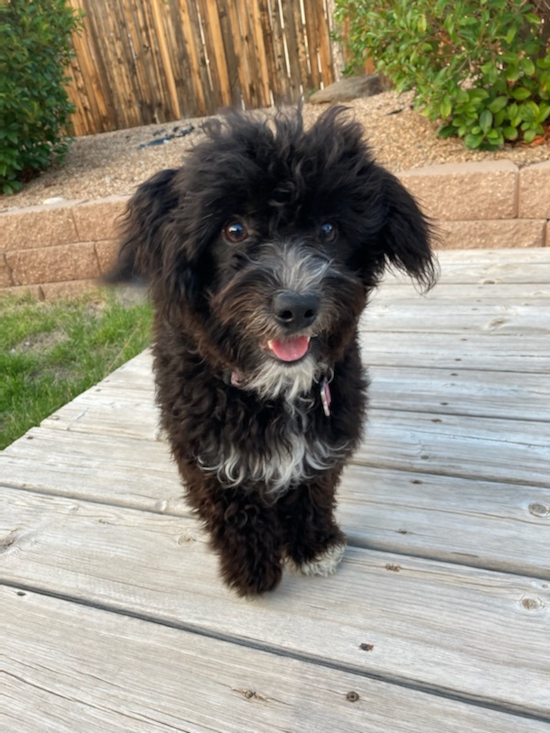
(154, 249)
(144, 231)
(407, 235)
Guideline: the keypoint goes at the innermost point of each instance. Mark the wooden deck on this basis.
(113, 617)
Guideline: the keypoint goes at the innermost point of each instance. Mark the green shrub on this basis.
(482, 67)
(35, 48)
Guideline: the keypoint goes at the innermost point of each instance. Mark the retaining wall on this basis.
(60, 248)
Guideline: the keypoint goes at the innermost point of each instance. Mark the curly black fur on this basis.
(264, 213)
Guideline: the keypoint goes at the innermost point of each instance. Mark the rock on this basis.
(350, 88)
(177, 132)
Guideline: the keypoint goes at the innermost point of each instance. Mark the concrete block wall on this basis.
(61, 248)
(484, 205)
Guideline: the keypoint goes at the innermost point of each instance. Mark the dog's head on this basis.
(264, 245)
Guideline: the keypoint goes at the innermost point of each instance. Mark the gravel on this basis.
(116, 162)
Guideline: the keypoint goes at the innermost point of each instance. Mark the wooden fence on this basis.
(144, 61)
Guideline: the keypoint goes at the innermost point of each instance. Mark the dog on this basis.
(261, 252)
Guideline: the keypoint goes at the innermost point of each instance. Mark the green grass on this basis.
(52, 351)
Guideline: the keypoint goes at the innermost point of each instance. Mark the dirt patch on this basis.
(41, 341)
(116, 162)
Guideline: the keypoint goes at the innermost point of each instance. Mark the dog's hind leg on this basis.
(314, 544)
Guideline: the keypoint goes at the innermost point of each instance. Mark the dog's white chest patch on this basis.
(294, 458)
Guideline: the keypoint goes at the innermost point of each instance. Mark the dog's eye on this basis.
(328, 231)
(235, 231)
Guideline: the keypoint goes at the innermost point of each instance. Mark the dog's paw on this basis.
(325, 564)
(250, 582)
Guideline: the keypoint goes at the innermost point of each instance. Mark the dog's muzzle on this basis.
(294, 312)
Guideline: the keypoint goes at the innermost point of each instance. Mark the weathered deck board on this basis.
(127, 472)
(124, 624)
(457, 445)
(100, 413)
(464, 392)
(420, 514)
(172, 577)
(137, 667)
(463, 294)
(478, 352)
(467, 392)
(449, 316)
(497, 257)
(484, 524)
(488, 272)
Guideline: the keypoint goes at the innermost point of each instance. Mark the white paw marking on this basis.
(325, 564)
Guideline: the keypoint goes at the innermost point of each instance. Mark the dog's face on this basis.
(267, 241)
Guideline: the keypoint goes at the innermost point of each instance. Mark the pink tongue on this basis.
(290, 349)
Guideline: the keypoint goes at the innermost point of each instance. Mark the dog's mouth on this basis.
(290, 349)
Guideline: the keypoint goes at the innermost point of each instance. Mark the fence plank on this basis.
(280, 82)
(291, 35)
(230, 45)
(261, 53)
(216, 52)
(158, 21)
(145, 62)
(112, 64)
(162, 111)
(253, 95)
(82, 121)
(325, 46)
(190, 24)
(139, 62)
(313, 40)
(88, 66)
(304, 59)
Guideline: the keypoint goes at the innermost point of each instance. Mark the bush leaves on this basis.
(35, 49)
(481, 68)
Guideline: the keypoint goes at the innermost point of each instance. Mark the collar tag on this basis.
(326, 398)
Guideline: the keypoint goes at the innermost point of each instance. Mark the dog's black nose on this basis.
(296, 310)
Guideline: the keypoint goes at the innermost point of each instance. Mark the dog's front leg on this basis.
(244, 532)
(314, 543)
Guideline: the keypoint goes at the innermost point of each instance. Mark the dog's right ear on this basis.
(140, 257)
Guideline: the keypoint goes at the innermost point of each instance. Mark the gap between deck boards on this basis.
(449, 694)
(162, 583)
(253, 676)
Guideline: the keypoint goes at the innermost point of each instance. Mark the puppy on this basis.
(261, 252)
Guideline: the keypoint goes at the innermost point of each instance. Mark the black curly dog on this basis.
(261, 252)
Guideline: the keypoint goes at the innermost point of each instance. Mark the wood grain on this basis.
(416, 389)
(448, 316)
(505, 395)
(438, 616)
(156, 61)
(125, 472)
(484, 524)
(490, 448)
(492, 272)
(479, 523)
(453, 445)
(137, 675)
(500, 353)
(433, 625)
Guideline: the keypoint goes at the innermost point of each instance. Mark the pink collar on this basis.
(237, 379)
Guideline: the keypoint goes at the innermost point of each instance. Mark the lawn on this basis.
(52, 351)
